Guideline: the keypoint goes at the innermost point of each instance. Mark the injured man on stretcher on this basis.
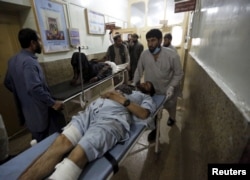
(105, 122)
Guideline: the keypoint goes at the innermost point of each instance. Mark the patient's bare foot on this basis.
(72, 82)
(94, 79)
(75, 82)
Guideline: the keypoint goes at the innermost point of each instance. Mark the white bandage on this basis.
(113, 66)
(72, 133)
(33, 142)
(66, 170)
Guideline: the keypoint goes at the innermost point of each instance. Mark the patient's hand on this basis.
(58, 105)
(94, 79)
(115, 96)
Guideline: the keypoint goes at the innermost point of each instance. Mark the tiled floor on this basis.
(146, 164)
(19, 143)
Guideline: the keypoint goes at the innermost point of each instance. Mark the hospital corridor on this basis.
(60, 60)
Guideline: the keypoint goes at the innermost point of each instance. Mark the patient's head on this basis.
(146, 88)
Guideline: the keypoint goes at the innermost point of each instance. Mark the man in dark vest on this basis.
(118, 52)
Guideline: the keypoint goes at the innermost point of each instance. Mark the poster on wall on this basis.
(95, 22)
(52, 25)
(74, 37)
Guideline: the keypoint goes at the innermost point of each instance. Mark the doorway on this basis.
(9, 27)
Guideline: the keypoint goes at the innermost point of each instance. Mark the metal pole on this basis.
(80, 65)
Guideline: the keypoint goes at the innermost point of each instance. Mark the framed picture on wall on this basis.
(74, 36)
(51, 21)
(95, 22)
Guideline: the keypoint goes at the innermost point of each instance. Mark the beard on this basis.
(155, 50)
(166, 44)
(152, 50)
(38, 49)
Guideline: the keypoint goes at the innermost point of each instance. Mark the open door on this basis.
(125, 32)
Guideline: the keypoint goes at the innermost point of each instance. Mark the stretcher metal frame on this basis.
(85, 91)
(102, 168)
(81, 91)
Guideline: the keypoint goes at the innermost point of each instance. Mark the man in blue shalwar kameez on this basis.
(36, 107)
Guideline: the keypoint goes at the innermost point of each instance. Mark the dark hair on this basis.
(135, 35)
(116, 37)
(152, 91)
(25, 36)
(154, 33)
(168, 36)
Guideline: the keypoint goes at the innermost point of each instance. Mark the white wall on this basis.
(112, 8)
(92, 43)
(222, 28)
(114, 11)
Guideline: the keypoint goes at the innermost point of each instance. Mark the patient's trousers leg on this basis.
(48, 159)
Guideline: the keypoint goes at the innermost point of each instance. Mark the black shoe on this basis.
(152, 135)
(170, 122)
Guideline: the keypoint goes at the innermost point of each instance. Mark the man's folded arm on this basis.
(134, 108)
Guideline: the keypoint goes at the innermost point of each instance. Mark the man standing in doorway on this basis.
(162, 67)
(167, 42)
(135, 51)
(25, 79)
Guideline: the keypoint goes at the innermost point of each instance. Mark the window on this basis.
(137, 15)
(177, 35)
(173, 18)
(155, 12)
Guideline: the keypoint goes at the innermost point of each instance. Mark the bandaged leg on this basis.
(72, 133)
(66, 170)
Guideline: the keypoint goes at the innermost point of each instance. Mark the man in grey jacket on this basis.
(162, 67)
(25, 79)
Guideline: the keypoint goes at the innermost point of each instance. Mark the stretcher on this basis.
(66, 92)
(87, 92)
(102, 168)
